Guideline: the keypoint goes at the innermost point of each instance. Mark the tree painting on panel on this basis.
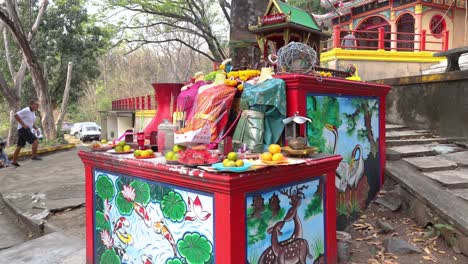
(348, 126)
(138, 221)
(287, 224)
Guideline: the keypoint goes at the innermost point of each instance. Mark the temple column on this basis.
(417, 26)
(393, 29)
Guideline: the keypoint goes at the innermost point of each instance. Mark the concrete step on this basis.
(453, 179)
(428, 164)
(399, 152)
(462, 193)
(431, 193)
(407, 134)
(393, 127)
(430, 202)
(54, 248)
(10, 231)
(422, 141)
(461, 158)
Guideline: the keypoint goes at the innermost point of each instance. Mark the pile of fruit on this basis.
(174, 154)
(147, 153)
(197, 157)
(232, 160)
(122, 147)
(100, 145)
(273, 154)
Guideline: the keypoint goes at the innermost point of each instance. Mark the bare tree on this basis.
(66, 93)
(199, 18)
(9, 16)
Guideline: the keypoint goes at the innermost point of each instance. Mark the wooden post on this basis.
(137, 99)
(381, 38)
(142, 103)
(149, 101)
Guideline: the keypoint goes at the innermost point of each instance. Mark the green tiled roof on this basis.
(299, 16)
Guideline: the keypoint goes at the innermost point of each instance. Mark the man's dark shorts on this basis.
(25, 135)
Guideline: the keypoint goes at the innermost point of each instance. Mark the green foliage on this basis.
(157, 192)
(317, 245)
(435, 230)
(354, 207)
(125, 207)
(341, 209)
(195, 248)
(69, 34)
(312, 6)
(110, 257)
(258, 226)
(364, 110)
(101, 223)
(322, 110)
(142, 192)
(190, 22)
(174, 261)
(173, 206)
(314, 207)
(105, 187)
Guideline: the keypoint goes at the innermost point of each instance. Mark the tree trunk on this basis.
(13, 22)
(66, 94)
(12, 135)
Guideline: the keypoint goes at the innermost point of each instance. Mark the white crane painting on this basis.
(348, 174)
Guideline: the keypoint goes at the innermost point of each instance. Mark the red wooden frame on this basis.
(229, 191)
(299, 85)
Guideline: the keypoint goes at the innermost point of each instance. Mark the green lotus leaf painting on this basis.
(105, 187)
(101, 223)
(174, 261)
(110, 257)
(173, 207)
(125, 207)
(195, 248)
(142, 192)
(142, 221)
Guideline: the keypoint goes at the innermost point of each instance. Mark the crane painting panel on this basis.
(348, 126)
(286, 224)
(141, 221)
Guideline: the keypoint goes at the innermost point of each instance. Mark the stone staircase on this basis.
(433, 173)
(441, 66)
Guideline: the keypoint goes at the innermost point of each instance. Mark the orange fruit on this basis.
(274, 148)
(266, 156)
(277, 157)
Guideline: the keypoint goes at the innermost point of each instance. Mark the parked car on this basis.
(89, 132)
(66, 127)
(75, 129)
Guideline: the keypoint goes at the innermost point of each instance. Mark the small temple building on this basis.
(404, 33)
(282, 24)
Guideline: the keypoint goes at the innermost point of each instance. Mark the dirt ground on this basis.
(367, 240)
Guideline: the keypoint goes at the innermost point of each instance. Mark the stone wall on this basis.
(437, 102)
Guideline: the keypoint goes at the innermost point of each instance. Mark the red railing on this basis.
(135, 103)
(383, 40)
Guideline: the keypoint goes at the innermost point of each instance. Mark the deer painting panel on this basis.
(286, 225)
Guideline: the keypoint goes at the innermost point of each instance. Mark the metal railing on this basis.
(384, 40)
(147, 102)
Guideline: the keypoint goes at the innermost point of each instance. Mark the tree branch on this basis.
(144, 41)
(7, 53)
(224, 7)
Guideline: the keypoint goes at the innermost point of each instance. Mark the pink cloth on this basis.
(187, 97)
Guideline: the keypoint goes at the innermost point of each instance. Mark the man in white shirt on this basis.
(26, 118)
